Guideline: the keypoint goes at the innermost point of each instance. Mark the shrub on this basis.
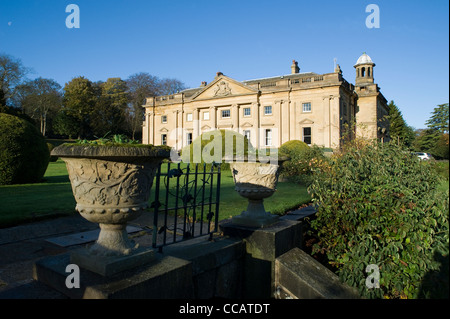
(216, 148)
(379, 205)
(303, 160)
(24, 154)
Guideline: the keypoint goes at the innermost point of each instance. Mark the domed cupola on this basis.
(364, 70)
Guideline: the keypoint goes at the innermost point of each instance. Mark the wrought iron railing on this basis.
(186, 202)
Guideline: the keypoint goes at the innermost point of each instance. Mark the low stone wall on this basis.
(240, 263)
(299, 276)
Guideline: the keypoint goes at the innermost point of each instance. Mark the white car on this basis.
(424, 156)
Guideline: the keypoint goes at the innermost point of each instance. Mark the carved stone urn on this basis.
(255, 180)
(111, 186)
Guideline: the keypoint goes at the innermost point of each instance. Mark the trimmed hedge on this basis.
(216, 144)
(24, 154)
(303, 160)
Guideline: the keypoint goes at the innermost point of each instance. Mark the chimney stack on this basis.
(204, 83)
(294, 67)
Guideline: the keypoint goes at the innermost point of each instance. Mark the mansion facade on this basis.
(314, 108)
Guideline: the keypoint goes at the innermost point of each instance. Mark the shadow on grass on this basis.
(56, 179)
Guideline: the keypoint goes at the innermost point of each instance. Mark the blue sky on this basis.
(246, 39)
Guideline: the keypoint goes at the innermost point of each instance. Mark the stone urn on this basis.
(111, 185)
(255, 180)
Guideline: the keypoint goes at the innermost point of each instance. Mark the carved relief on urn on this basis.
(255, 180)
(111, 185)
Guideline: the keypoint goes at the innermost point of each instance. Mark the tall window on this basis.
(226, 114)
(206, 116)
(268, 110)
(247, 111)
(306, 107)
(268, 135)
(163, 118)
(189, 117)
(189, 138)
(163, 139)
(307, 135)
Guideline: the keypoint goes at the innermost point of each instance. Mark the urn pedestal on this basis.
(111, 186)
(255, 181)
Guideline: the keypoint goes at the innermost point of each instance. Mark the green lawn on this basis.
(53, 197)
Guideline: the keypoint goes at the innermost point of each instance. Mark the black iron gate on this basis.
(186, 202)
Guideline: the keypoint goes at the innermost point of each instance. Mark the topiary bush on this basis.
(24, 153)
(212, 146)
(378, 205)
(303, 160)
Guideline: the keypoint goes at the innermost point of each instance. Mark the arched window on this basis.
(368, 72)
(363, 72)
(357, 72)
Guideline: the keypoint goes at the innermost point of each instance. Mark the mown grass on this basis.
(53, 197)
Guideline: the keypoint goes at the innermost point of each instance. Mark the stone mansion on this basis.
(314, 108)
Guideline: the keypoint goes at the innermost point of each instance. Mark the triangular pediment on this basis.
(164, 130)
(306, 121)
(206, 128)
(247, 124)
(221, 87)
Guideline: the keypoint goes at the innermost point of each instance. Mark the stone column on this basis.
(196, 130)
(235, 108)
(151, 126)
(176, 132)
(213, 114)
(256, 110)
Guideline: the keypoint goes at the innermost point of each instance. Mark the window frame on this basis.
(189, 117)
(163, 139)
(268, 137)
(267, 108)
(163, 119)
(189, 138)
(305, 104)
(225, 117)
(249, 134)
(249, 109)
(307, 136)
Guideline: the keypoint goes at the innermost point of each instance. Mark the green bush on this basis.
(215, 145)
(303, 160)
(379, 205)
(24, 154)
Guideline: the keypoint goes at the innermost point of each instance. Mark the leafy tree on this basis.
(140, 86)
(2, 99)
(170, 86)
(399, 130)
(65, 124)
(439, 119)
(434, 140)
(109, 113)
(79, 100)
(12, 72)
(38, 98)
